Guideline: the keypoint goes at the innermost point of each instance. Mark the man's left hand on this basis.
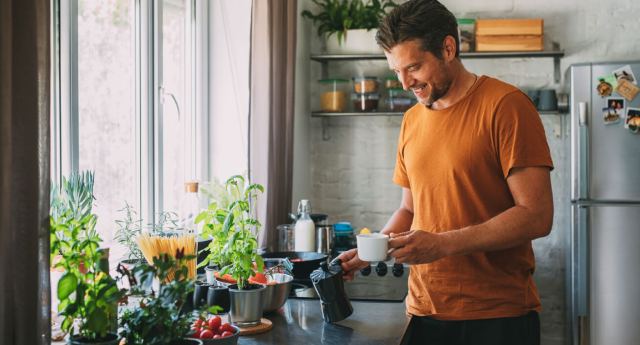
(417, 247)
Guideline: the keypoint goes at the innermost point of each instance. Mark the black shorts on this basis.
(521, 330)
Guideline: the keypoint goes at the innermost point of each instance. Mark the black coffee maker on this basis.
(327, 280)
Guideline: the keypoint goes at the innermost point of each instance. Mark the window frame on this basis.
(147, 22)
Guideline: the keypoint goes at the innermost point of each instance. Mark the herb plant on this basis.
(86, 291)
(131, 226)
(159, 318)
(338, 16)
(128, 229)
(233, 229)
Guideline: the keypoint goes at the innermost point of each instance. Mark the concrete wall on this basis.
(349, 175)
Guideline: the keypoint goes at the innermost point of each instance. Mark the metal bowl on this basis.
(275, 295)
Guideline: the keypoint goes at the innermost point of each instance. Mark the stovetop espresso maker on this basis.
(327, 280)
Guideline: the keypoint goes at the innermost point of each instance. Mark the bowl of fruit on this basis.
(212, 331)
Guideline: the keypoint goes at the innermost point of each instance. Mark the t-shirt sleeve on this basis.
(400, 171)
(519, 134)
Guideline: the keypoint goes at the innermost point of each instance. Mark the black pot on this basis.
(200, 291)
(202, 254)
(303, 262)
(219, 295)
(109, 339)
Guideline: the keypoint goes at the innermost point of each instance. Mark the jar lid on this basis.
(335, 80)
(466, 21)
(342, 226)
(191, 187)
(361, 96)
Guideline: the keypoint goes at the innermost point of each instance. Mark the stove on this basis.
(380, 282)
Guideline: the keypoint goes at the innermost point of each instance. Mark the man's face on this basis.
(419, 71)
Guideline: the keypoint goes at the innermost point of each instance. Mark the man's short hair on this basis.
(426, 20)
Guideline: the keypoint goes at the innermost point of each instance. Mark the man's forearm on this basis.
(511, 228)
(400, 221)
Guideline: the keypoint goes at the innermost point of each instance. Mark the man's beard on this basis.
(438, 92)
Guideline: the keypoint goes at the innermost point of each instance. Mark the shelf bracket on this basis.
(324, 70)
(556, 63)
(325, 129)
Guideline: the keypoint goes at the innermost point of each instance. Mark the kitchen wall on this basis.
(349, 175)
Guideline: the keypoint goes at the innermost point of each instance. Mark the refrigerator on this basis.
(604, 257)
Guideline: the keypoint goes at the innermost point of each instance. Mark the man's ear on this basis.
(449, 47)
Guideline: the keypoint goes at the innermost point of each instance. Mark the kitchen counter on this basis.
(300, 322)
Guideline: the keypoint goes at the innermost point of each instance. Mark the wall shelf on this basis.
(555, 53)
(391, 113)
(325, 116)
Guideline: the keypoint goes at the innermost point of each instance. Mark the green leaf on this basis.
(66, 285)
(97, 320)
(67, 324)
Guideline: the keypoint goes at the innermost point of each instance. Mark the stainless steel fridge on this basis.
(604, 260)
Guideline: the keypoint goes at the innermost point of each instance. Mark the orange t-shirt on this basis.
(455, 161)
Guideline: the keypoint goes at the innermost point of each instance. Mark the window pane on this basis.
(176, 132)
(107, 138)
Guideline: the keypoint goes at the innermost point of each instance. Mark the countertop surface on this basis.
(300, 322)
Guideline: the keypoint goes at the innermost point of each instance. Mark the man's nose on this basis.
(406, 80)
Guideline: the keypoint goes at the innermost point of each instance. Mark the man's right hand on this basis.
(351, 263)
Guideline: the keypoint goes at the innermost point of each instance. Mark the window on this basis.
(123, 86)
(106, 114)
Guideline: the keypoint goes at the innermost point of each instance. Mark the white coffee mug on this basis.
(372, 247)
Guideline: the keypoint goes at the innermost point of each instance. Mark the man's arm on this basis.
(399, 222)
(531, 217)
(402, 218)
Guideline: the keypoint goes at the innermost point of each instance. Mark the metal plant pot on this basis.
(246, 304)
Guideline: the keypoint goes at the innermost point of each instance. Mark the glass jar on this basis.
(399, 99)
(365, 101)
(392, 82)
(365, 84)
(333, 95)
(467, 33)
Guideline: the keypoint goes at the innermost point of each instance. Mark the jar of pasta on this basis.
(333, 95)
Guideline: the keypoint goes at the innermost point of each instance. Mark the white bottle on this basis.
(305, 229)
(190, 207)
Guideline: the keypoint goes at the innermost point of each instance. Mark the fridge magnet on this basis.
(632, 121)
(625, 73)
(617, 104)
(609, 116)
(605, 86)
(627, 90)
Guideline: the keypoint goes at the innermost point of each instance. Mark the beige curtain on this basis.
(24, 172)
(273, 53)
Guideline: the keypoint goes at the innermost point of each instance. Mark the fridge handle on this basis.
(580, 271)
(580, 154)
(582, 114)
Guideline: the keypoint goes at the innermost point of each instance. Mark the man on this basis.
(473, 164)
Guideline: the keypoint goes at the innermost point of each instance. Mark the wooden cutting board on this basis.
(264, 326)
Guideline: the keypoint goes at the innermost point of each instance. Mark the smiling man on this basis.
(473, 163)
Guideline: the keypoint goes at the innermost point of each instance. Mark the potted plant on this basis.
(159, 318)
(234, 247)
(87, 294)
(347, 25)
(130, 227)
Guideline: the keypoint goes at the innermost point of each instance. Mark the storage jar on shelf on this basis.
(399, 99)
(365, 84)
(333, 95)
(365, 102)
